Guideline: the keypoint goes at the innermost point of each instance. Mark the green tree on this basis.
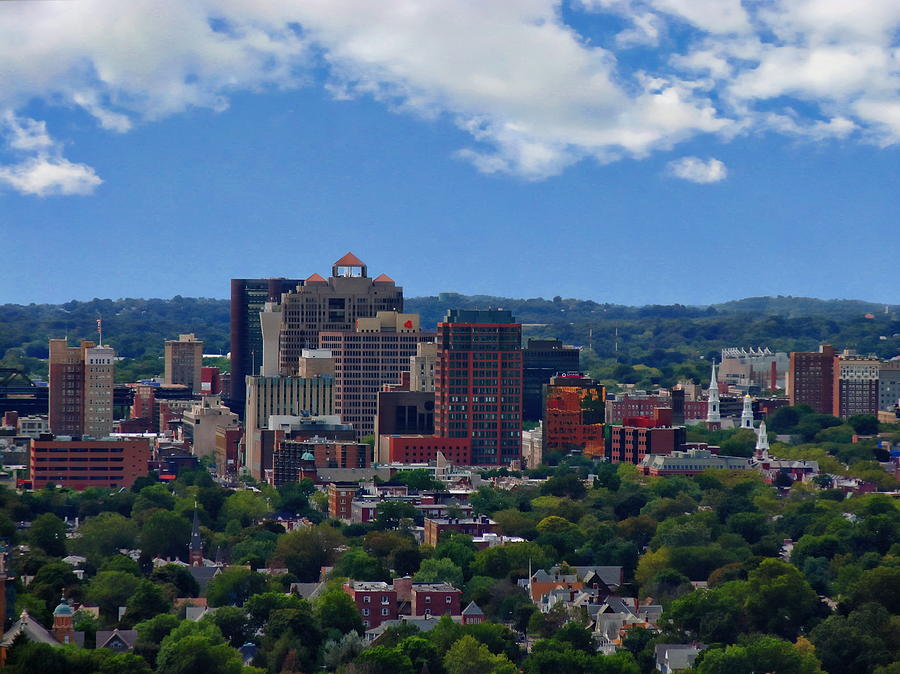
(305, 551)
(103, 535)
(336, 611)
(176, 577)
(359, 565)
(198, 653)
(48, 533)
(233, 586)
(468, 656)
(111, 589)
(233, 623)
(164, 534)
(147, 601)
(260, 606)
(384, 660)
(439, 570)
(864, 424)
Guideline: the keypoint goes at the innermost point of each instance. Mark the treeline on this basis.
(662, 343)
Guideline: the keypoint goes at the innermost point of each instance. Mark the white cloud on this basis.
(696, 170)
(534, 94)
(45, 175)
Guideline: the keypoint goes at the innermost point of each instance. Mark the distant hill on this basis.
(657, 336)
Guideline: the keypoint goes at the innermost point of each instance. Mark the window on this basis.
(365, 611)
(367, 599)
(449, 599)
(384, 611)
(385, 599)
(427, 598)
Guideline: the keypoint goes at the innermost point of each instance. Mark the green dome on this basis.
(63, 608)
(307, 456)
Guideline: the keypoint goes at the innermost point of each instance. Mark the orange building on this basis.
(78, 464)
(573, 415)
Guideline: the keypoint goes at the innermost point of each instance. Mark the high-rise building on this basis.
(541, 360)
(201, 422)
(811, 379)
(573, 418)
(268, 396)
(333, 304)
(889, 385)
(81, 388)
(421, 367)
(373, 354)
(478, 383)
(855, 385)
(248, 299)
(183, 360)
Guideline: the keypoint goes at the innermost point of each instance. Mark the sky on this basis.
(625, 151)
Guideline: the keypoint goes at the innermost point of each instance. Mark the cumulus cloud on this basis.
(533, 93)
(696, 170)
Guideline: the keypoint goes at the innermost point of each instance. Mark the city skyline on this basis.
(641, 151)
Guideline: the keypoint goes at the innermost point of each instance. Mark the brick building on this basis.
(478, 383)
(81, 388)
(375, 601)
(475, 526)
(855, 385)
(573, 416)
(340, 499)
(183, 360)
(640, 436)
(435, 599)
(288, 457)
(79, 463)
(811, 379)
(425, 448)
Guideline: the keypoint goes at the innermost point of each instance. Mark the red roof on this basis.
(316, 278)
(349, 260)
(384, 278)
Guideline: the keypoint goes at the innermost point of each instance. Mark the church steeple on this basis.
(762, 442)
(747, 413)
(195, 557)
(713, 417)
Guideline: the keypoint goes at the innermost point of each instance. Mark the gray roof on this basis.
(203, 574)
(472, 609)
(128, 637)
(677, 656)
(29, 628)
(307, 590)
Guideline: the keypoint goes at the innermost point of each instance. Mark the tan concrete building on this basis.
(421, 367)
(374, 354)
(183, 360)
(268, 396)
(81, 388)
(330, 305)
(202, 421)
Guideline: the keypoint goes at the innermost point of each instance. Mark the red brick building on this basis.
(475, 526)
(340, 499)
(435, 599)
(424, 448)
(573, 415)
(640, 436)
(376, 602)
(478, 383)
(811, 379)
(79, 464)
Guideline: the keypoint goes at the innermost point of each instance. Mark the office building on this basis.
(202, 421)
(478, 383)
(81, 388)
(183, 360)
(888, 385)
(291, 396)
(690, 462)
(401, 413)
(248, 299)
(573, 416)
(421, 367)
(811, 379)
(641, 436)
(401, 449)
(541, 360)
(334, 304)
(290, 456)
(111, 463)
(374, 353)
(855, 385)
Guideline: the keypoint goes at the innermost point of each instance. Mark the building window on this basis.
(449, 599)
(367, 599)
(365, 611)
(384, 611)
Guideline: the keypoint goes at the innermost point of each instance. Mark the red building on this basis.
(340, 499)
(811, 379)
(376, 602)
(573, 415)
(475, 526)
(78, 464)
(210, 381)
(435, 599)
(425, 448)
(478, 383)
(640, 436)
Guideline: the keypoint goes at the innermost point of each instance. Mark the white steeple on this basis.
(747, 413)
(712, 403)
(762, 442)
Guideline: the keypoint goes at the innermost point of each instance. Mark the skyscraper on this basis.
(332, 304)
(183, 360)
(81, 388)
(541, 360)
(811, 379)
(478, 383)
(248, 299)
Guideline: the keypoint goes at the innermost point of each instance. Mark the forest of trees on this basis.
(642, 345)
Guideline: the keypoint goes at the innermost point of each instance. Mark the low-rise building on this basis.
(690, 462)
(475, 526)
(82, 462)
(375, 601)
(435, 599)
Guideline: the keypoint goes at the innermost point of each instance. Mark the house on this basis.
(117, 640)
(435, 599)
(472, 614)
(61, 634)
(676, 657)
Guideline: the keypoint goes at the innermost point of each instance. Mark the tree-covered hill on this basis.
(659, 337)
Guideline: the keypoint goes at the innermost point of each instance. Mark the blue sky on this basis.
(631, 151)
